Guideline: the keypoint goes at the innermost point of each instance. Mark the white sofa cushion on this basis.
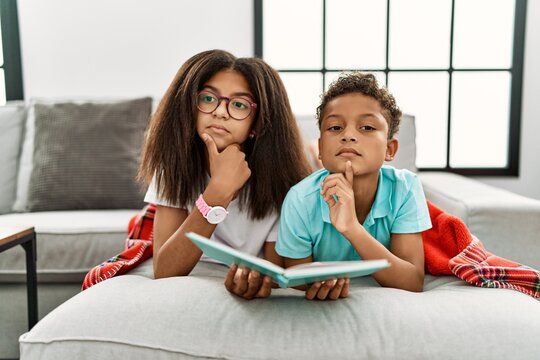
(69, 243)
(194, 317)
(12, 118)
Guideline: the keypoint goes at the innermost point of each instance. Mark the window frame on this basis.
(12, 50)
(516, 71)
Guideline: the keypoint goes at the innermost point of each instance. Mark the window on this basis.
(454, 64)
(10, 53)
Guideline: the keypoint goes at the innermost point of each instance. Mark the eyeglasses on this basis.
(238, 108)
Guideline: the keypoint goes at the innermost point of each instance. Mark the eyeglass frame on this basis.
(228, 100)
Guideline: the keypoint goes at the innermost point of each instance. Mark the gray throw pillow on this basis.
(86, 155)
(12, 118)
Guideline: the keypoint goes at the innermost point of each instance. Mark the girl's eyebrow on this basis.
(233, 94)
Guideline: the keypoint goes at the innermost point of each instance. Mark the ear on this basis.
(391, 149)
(319, 149)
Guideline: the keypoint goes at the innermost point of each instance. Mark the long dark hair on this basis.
(174, 153)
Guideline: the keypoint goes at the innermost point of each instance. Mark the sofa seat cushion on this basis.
(69, 243)
(194, 317)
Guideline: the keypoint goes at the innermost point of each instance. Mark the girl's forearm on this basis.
(401, 274)
(178, 255)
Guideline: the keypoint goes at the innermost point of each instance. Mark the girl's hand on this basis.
(247, 283)
(228, 169)
(328, 290)
(342, 212)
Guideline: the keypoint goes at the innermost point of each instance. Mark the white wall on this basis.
(528, 182)
(123, 47)
(129, 48)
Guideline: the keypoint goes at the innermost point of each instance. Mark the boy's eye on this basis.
(335, 128)
(367, 128)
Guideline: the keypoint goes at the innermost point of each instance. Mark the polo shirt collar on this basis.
(381, 207)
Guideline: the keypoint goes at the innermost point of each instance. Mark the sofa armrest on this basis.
(508, 224)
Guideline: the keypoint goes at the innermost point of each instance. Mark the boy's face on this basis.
(354, 128)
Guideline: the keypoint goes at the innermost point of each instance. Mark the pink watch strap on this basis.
(202, 206)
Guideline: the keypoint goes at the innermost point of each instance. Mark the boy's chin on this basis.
(335, 167)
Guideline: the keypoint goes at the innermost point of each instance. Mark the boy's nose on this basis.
(347, 137)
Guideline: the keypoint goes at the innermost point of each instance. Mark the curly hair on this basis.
(367, 84)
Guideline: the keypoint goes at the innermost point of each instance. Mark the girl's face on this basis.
(354, 128)
(219, 124)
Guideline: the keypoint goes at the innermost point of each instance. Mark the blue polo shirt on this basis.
(305, 228)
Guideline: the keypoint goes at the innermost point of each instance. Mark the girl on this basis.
(220, 154)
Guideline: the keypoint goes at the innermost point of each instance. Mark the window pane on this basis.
(420, 34)
(480, 119)
(2, 88)
(304, 90)
(353, 43)
(333, 75)
(485, 44)
(292, 32)
(425, 95)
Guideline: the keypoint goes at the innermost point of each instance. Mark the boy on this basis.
(356, 207)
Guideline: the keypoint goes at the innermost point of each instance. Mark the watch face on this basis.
(216, 215)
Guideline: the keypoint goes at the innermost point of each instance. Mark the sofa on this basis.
(194, 317)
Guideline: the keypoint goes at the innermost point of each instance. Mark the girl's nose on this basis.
(222, 110)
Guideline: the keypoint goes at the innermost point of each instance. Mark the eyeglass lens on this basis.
(238, 108)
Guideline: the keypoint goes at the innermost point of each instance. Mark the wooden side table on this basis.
(26, 237)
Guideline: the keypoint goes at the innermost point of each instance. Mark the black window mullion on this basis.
(517, 80)
(450, 78)
(258, 28)
(387, 55)
(323, 70)
(11, 49)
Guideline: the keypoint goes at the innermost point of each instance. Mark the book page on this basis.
(229, 256)
(336, 268)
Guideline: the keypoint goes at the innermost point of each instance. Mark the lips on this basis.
(348, 152)
(218, 128)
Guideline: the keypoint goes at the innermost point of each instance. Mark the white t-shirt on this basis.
(238, 230)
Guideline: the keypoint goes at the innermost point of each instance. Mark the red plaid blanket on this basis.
(449, 248)
(138, 248)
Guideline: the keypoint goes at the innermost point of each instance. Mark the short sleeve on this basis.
(294, 240)
(153, 198)
(413, 214)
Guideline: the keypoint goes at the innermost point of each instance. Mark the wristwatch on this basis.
(212, 214)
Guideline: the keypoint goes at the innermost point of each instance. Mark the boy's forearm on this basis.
(401, 274)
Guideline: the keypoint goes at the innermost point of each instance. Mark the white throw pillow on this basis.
(406, 155)
(12, 118)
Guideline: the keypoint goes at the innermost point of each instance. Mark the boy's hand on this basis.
(229, 169)
(247, 283)
(328, 290)
(342, 212)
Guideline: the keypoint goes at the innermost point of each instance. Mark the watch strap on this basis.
(203, 207)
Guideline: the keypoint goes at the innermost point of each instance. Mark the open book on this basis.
(293, 276)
